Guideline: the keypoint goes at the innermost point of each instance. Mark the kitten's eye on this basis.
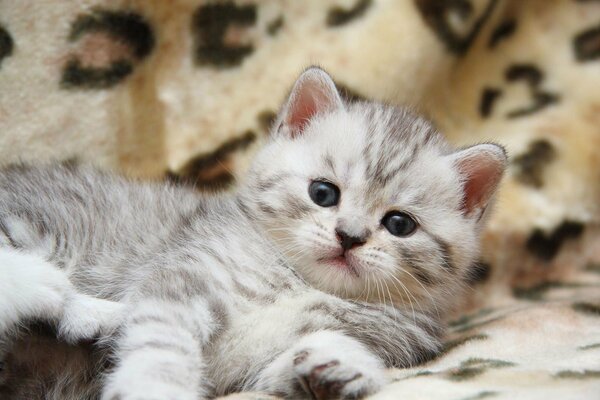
(399, 223)
(324, 194)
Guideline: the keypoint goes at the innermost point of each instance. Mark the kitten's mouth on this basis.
(341, 262)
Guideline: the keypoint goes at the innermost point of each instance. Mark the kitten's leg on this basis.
(33, 289)
(86, 317)
(324, 365)
(159, 352)
(30, 289)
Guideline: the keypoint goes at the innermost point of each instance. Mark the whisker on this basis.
(408, 295)
(425, 289)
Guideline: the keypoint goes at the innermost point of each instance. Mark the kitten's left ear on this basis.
(314, 92)
(481, 167)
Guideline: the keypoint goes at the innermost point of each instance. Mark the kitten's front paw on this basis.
(335, 379)
(334, 366)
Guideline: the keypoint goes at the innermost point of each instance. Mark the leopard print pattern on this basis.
(187, 90)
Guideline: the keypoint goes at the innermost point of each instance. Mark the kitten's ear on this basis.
(314, 92)
(481, 167)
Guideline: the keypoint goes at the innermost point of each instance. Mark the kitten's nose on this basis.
(348, 242)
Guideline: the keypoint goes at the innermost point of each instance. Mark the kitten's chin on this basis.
(336, 275)
(340, 262)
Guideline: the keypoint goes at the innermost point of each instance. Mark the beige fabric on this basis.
(156, 88)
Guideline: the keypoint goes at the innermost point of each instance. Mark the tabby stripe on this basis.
(446, 254)
(173, 319)
(59, 251)
(160, 345)
(11, 241)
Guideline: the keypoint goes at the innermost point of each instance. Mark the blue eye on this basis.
(324, 194)
(399, 223)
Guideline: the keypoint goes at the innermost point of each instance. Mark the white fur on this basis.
(160, 358)
(87, 317)
(33, 289)
(326, 358)
(30, 288)
(139, 378)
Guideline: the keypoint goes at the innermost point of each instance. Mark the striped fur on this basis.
(193, 296)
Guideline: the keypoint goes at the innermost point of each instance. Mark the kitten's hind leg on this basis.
(324, 365)
(30, 289)
(33, 289)
(86, 317)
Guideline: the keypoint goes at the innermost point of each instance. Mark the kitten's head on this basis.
(368, 201)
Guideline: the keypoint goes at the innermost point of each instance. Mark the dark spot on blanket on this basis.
(266, 119)
(533, 77)
(474, 367)
(503, 31)
(488, 99)
(481, 395)
(77, 76)
(538, 292)
(546, 246)
(466, 319)
(441, 16)
(129, 27)
(529, 166)
(586, 45)
(6, 44)
(527, 72)
(476, 324)
(275, 26)
(591, 346)
(417, 375)
(212, 170)
(593, 267)
(338, 16)
(109, 44)
(590, 309)
(452, 344)
(219, 33)
(585, 374)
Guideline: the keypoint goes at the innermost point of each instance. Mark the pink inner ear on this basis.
(303, 108)
(482, 170)
(478, 187)
(313, 93)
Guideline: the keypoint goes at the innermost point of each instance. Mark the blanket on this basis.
(187, 89)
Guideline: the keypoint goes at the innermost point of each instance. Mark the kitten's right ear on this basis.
(314, 93)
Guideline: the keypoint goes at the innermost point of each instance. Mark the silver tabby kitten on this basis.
(339, 255)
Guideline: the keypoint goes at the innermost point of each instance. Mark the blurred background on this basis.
(186, 90)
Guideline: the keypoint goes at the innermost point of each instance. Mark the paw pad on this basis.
(322, 382)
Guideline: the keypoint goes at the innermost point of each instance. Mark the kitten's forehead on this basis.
(395, 139)
(376, 146)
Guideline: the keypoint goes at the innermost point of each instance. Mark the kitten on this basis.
(339, 255)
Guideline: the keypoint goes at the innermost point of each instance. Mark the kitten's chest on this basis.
(259, 331)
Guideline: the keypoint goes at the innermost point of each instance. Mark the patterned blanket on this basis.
(186, 90)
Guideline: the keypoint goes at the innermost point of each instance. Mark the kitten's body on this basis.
(226, 293)
(256, 302)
